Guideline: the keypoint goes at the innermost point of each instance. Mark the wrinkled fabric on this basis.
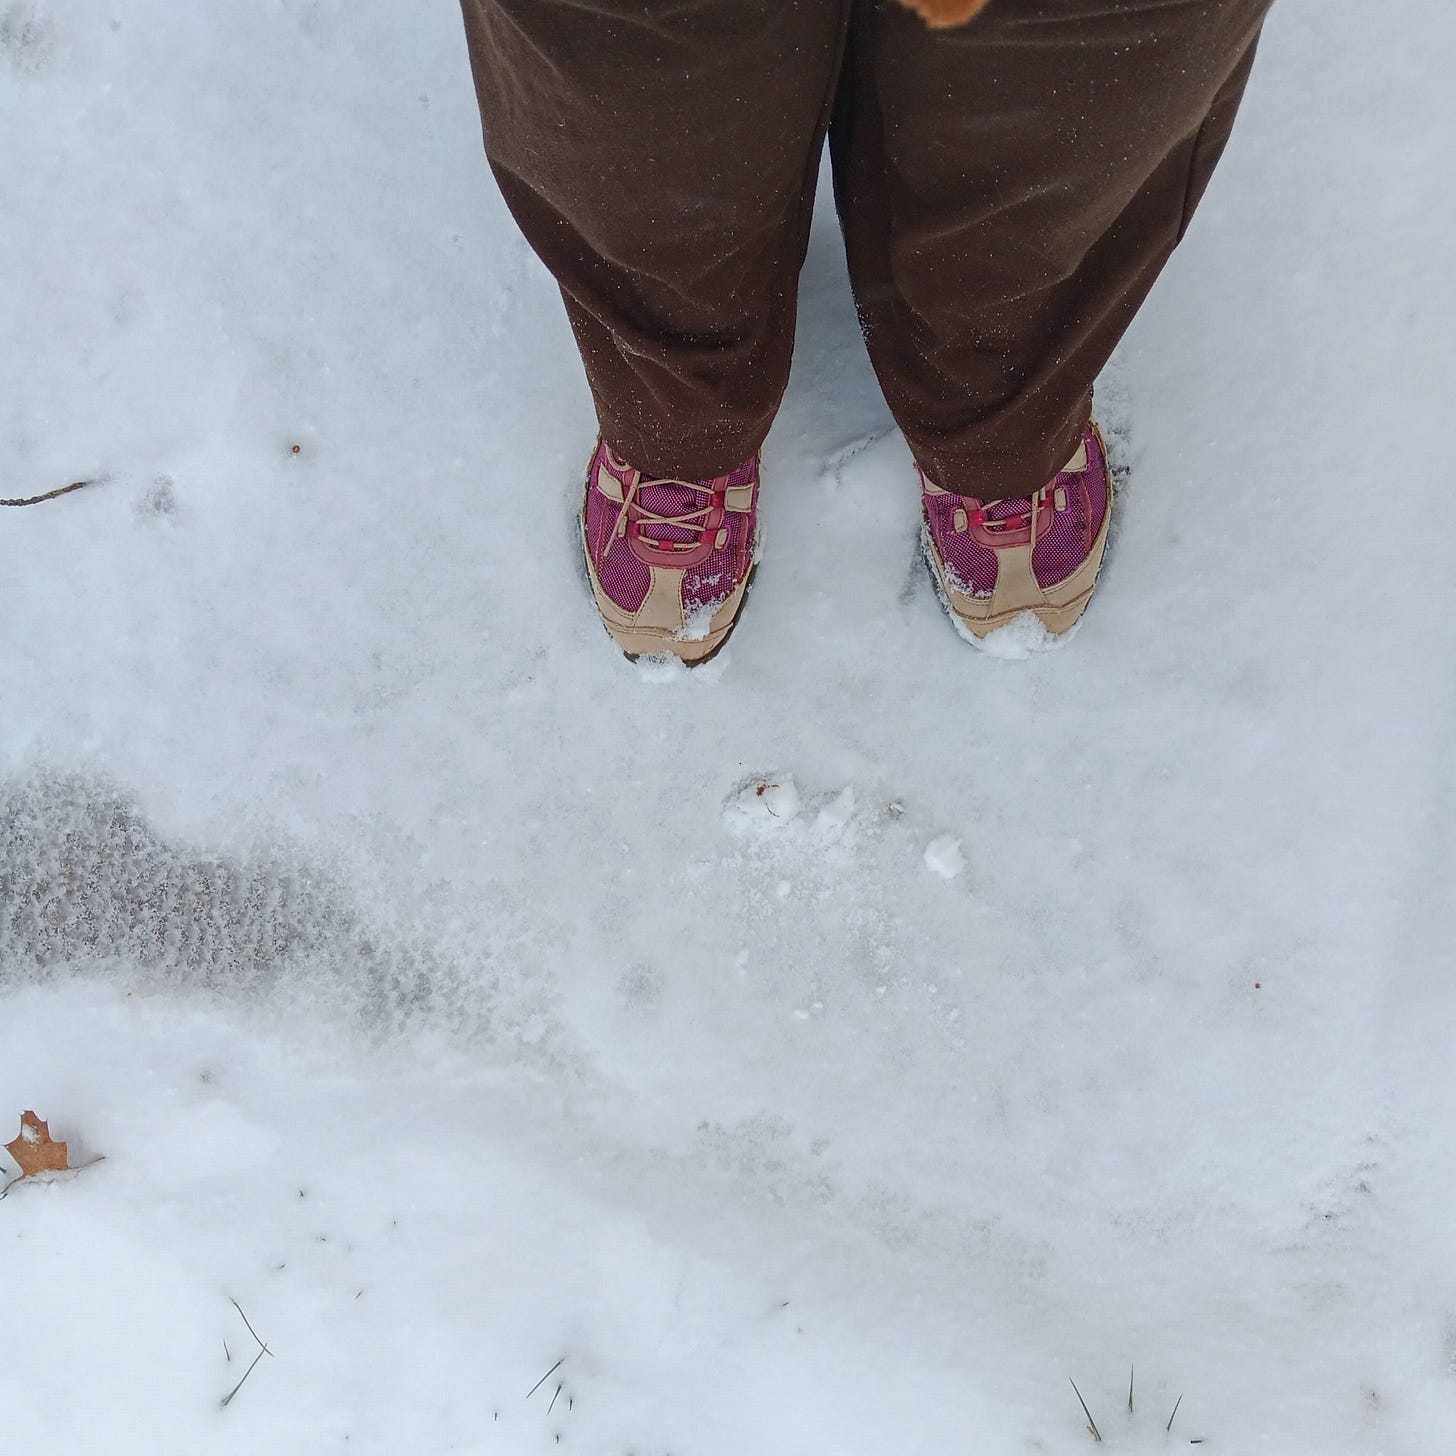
(1008, 190)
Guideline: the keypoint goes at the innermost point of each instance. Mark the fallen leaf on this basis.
(36, 1151)
(940, 13)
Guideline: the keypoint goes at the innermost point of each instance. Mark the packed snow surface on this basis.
(838, 1049)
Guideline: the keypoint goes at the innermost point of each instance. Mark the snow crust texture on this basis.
(833, 1049)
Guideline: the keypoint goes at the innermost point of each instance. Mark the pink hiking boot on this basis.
(669, 560)
(1038, 553)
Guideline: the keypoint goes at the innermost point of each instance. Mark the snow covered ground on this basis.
(440, 988)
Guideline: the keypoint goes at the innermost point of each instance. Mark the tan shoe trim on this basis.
(639, 639)
(735, 498)
(658, 617)
(726, 614)
(1016, 585)
(1017, 589)
(1057, 607)
(656, 627)
(609, 485)
(661, 608)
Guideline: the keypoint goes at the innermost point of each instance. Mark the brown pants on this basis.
(1008, 192)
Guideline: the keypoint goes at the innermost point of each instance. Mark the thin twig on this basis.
(554, 1399)
(547, 1376)
(246, 1373)
(48, 1175)
(251, 1330)
(1091, 1424)
(35, 500)
(1131, 1371)
(262, 1350)
(1176, 1404)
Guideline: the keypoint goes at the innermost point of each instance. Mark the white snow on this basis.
(766, 802)
(438, 986)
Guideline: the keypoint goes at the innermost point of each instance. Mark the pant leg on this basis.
(660, 157)
(1009, 191)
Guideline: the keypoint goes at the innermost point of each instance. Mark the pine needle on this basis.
(1176, 1404)
(1091, 1424)
(251, 1330)
(547, 1376)
(228, 1397)
(262, 1350)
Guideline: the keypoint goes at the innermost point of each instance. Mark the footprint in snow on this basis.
(773, 806)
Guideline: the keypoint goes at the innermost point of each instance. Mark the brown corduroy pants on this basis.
(1008, 192)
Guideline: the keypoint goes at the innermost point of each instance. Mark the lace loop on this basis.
(635, 514)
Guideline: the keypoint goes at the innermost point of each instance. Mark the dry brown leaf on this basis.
(36, 1151)
(941, 13)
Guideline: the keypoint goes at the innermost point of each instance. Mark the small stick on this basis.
(251, 1330)
(547, 1376)
(1091, 1424)
(34, 500)
(1176, 1404)
(53, 1175)
(1131, 1370)
(246, 1373)
(554, 1399)
(262, 1350)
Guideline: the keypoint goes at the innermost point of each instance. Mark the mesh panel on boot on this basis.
(1059, 550)
(1069, 541)
(626, 579)
(715, 580)
(970, 566)
(623, 577)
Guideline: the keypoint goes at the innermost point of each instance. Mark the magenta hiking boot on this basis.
(669, 560)
(1038, 553)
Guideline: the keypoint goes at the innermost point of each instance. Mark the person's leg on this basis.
(1009, 191)
(660, 158)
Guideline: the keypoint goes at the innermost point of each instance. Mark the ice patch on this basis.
(28, 36)
(943, 857)
(89, 886)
